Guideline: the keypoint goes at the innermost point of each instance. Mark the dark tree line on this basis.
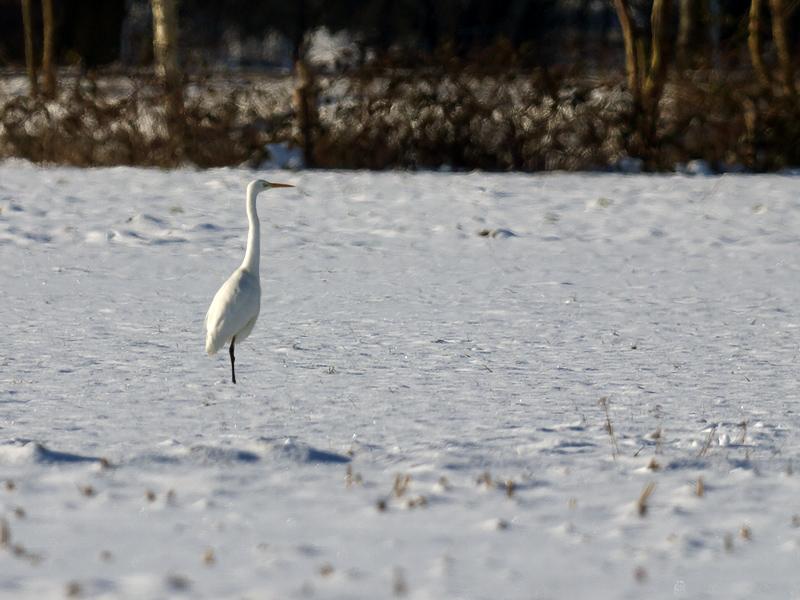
(661, 80)
(87, 31)
(540, 32)
(93, 32)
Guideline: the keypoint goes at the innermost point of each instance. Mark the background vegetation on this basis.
(462, 84)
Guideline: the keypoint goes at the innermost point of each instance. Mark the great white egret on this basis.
(235, 307)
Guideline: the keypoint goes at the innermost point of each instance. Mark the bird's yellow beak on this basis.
(280, 185)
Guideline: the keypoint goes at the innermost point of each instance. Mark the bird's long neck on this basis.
(253, 252)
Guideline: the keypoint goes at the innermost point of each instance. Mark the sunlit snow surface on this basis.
(395, 339)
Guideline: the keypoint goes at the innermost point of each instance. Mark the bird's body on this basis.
(235, 307)
(234, 310)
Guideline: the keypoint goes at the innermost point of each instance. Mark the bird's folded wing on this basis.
(235, 304)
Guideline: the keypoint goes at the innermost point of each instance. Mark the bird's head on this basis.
(259, 185)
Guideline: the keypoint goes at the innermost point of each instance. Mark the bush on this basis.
(462, 117)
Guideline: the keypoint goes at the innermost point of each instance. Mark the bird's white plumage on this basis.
(233, 310)
(235, 307)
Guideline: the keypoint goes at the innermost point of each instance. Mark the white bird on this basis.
(235, 307)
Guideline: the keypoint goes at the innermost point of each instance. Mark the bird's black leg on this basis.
(233, 359)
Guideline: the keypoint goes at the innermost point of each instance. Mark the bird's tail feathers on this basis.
(211, 346)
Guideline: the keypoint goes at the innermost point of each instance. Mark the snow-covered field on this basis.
(419, 408)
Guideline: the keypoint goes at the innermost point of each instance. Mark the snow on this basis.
(419, 408)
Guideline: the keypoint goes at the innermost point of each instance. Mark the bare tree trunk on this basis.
(715, 17)
(685, 29)
(304, 100)
(304, 97)
(646, 81)
(165, 48)
(30, 60)
(165, 40)
(781, 38)
(754, 42)
(654, 83)
(48, 67)
(632, 51)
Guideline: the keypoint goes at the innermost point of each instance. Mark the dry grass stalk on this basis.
(604, 404)
(401, 483)
(700, 488)
(640, 574)
(399, 585)
(5, 534)
(351, 478)
(208, 557)
(728, 542)
(485, 479)
(644, 497)
(707, 444)
(419, 501)
(746, 533)
(510, 488)
(743, 435)
(22, 553)
(654, 465)
(658, 436)
(87, 490)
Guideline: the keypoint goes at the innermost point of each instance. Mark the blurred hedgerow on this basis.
(438, 115)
